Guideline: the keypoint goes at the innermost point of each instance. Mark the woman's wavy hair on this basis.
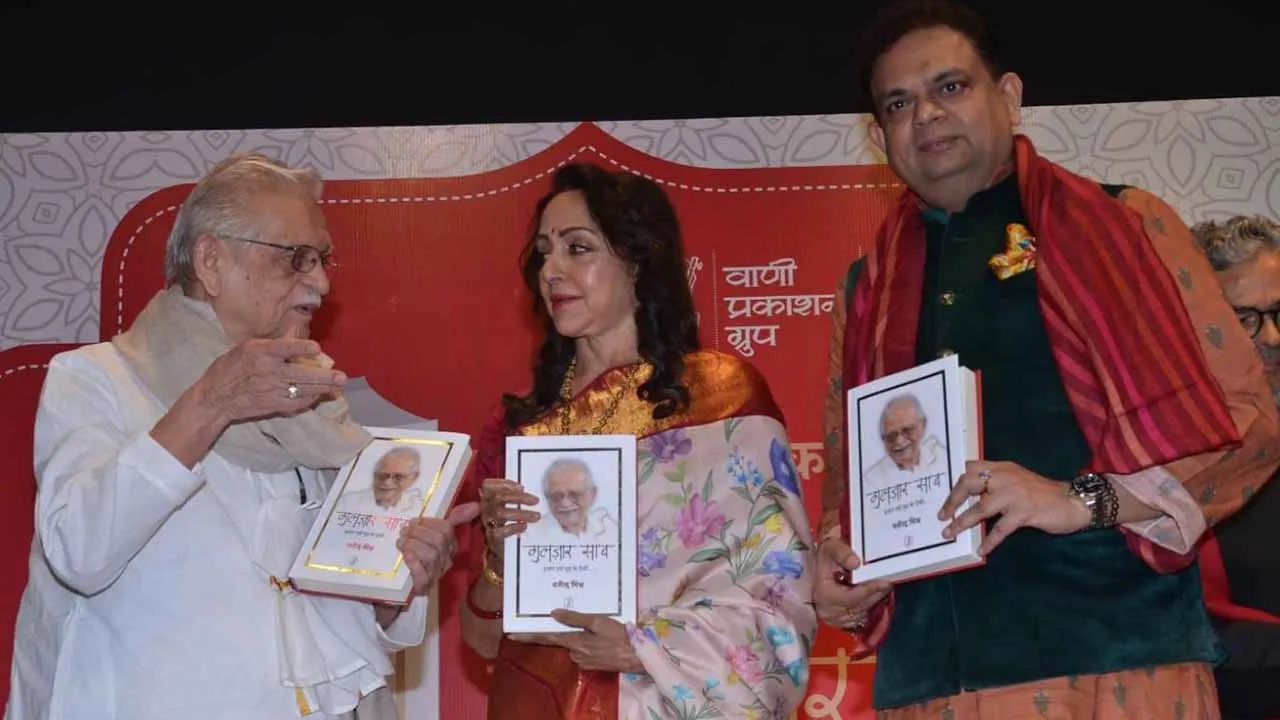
(640, 225)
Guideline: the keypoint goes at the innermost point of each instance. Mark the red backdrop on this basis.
(428, 305)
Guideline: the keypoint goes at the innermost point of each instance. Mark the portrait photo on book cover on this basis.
(571, 557)
(383, 490)
(905, 467)
(387, 481)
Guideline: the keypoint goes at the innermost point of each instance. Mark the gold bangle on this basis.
(856, 621)
(491, 575)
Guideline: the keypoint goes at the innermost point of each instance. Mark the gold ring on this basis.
(985, 477)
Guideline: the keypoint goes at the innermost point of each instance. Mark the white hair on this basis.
(1236, 240)
(907, 399)
(415, 458)
(568, 463)
(219, 205)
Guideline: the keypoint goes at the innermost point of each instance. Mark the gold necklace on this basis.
(566, 397)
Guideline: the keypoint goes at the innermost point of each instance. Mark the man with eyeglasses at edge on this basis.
(179, 467)
(1242, 582)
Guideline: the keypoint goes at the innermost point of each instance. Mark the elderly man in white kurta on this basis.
(180, 466)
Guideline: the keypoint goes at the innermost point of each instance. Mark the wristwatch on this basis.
(1097, 494)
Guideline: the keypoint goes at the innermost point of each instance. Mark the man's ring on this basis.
(293, 392)
(985, 477)
(491, 523)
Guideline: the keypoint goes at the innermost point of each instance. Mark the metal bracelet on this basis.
(1107, 509)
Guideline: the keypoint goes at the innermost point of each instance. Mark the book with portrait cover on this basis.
(581, 554)
(403, 474)
(909, 436)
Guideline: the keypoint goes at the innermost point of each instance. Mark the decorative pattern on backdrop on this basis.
(61, 194)
(767, 244)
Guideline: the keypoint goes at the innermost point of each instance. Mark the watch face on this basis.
(1090, 484)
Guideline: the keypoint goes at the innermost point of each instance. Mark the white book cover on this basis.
(581, 554)
(909, 437)
(417, 675)
(403, 474)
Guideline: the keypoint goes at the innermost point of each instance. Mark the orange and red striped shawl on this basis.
(1134, 372)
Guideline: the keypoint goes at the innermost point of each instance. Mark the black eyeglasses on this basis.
(1251, 319)
(305, 257)
(577, 496)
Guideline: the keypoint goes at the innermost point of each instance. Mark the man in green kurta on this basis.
(1123, 408)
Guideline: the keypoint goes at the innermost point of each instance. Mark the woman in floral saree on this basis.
(724, 571)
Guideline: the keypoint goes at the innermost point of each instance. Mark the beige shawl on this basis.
(174, 341)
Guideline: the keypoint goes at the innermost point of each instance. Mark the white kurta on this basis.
(149, 594)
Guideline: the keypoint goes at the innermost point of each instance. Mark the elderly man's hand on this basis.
(256, 379)
(428, 545)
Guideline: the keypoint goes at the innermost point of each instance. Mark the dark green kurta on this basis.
(1043, 606)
